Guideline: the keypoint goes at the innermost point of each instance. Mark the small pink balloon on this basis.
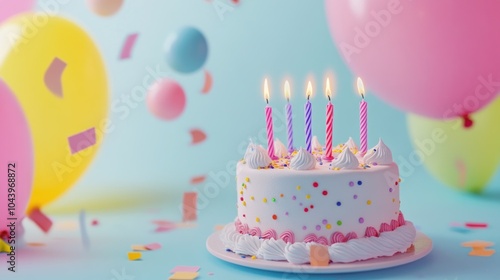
(434, 58)
(9, 8)
(16, 158)
(105, 7)
(166, 99)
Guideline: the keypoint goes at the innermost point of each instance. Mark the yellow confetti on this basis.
(247, 179)
(369, 202)
(264, 200)
(132, 256)
(257, 220)
(254, 257)
(328, 226)
(244, 203)
(308, 196)
(298, 188)
(252, 198)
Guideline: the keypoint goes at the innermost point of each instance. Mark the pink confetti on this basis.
(95, 222)
(164, 229)
(53, 77)
(189, 204)
(182, 268)
(208, 83)
(82, 140)
(128, 46)
(41, 220)
(153, 246)
(198, 180)
(476, 225)
(198, 136)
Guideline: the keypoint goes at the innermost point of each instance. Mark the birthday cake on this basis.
(288, 203)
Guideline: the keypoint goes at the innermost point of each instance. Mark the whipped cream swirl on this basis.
(257, 158)
(280, 149)
(379, 154)
(316, 145)
(351, 144)
(346, 159)
(303, 160)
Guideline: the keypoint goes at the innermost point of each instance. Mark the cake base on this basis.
(422, 247)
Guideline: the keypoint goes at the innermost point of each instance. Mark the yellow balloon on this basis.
(58, 76)
(463, 158)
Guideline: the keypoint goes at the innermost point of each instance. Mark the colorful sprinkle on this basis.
(286, 213)
(355, 196)
(264, 200)
(244, 203)
(294, 197)
(339, 203)
(242, 184)
(298, 188)
(241, 192)
(390, 189)
(308, 196)
(254, 257)
(339, 222)
(274, 199)
(241, 198)
(325, 193)
(312, 206)
(360, 183)
(306, 209)
(369, 202)
(244, 215)
(247, 179)
(393, 200)
(304, 227)
(282, 195)
(252, 198)
(328, 226)
(351, 184)
(257, 220)
(275, 217)
(315, 184)
(324, 222)
(361, 220)
(318, 227)
(396, 183)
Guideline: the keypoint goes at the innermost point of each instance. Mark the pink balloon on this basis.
(166, 99)
(439, 59)
(15, 148)
(9, 8)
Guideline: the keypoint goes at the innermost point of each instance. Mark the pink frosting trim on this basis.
(336, 237)
(255, 232)
(288, 236)
(371, 231)
(268, 234)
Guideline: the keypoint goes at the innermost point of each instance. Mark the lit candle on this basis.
(289, 123)
(269, 123)
(363, 119)
(329, 122)
(308, 118)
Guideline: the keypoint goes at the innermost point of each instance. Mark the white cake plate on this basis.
(422, 244)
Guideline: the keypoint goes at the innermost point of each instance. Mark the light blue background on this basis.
(145, 157)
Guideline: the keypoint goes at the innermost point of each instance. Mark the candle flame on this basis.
(309, 90)
(361, 87)
(266, 91)
(328, 90)
(287, 90)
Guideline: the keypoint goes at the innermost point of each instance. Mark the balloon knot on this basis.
(468, 122)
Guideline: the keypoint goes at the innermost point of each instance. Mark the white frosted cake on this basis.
(350, 205)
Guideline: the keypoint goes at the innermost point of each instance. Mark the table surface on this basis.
(430, 205)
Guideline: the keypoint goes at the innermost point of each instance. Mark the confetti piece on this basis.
(35, 244)
(133, 256)
(477, 244)
(83, 230)
(41, 220)
(481, 252)
(128, 45)
(4, 247)
(139, 248)
(153, 246)
(208, 83)
(479, 248)
(197, 136)
(318, 255)
(198, 179)
(95, 223)
(183, 276)
(53, 77)
(218, 227)
(189, 206)
(183, 268)
(476, 225)
(82, 140)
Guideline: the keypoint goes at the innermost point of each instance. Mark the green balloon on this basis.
(463, 158)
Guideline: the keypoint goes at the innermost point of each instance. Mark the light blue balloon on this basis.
(186, 50)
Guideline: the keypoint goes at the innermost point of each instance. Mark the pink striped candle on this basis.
(329, 123)
(308, 118)
(363, 119)
(289, 122)
(269, 123)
